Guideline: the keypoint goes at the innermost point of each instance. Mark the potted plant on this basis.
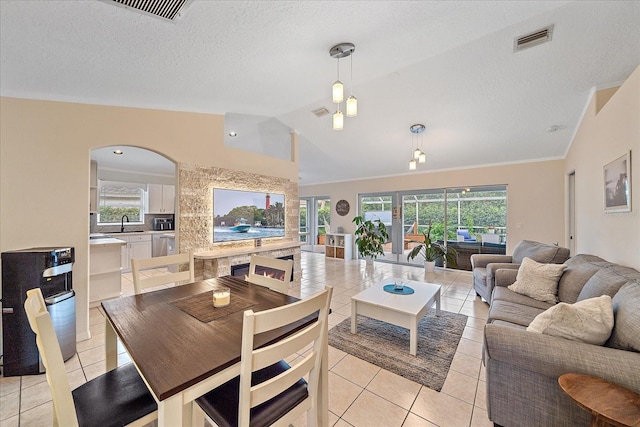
(370, 236)
(431, 251)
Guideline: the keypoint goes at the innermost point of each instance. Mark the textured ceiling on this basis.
(449, 65)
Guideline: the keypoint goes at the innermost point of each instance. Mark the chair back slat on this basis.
(253, 360)
(284, 265)
(281, 316)
(64, 411)
(269, 355)
(264, 391)
(140, 281)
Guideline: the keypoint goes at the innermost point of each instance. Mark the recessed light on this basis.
(233, 134)
(118, 152)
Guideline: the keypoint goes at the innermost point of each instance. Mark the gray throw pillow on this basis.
(626, 309)
(538, 281)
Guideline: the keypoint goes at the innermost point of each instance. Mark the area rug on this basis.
(387, 346)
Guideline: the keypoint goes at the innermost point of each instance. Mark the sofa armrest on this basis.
(551, 356)
(505, 276)
(481, 260)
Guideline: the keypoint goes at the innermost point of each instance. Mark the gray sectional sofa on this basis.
(484, 266)
(522, 367)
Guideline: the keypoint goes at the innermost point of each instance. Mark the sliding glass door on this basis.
(315, 222)
(471, 219)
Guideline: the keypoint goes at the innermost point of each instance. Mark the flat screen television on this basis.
(242, 215)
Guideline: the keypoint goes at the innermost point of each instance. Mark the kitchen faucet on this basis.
(122, 223)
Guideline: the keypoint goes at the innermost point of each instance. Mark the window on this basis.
(116, 199)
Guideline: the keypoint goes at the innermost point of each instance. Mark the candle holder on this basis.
(221, 297)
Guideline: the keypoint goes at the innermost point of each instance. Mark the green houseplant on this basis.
(370, 236)
(431, 251)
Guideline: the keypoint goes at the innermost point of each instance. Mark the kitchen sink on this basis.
(126, 231)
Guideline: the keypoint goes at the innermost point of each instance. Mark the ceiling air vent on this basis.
(165, 9)
(533, 39)
(322, 111)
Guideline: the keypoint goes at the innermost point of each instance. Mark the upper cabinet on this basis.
(161, 198)
(93, 187)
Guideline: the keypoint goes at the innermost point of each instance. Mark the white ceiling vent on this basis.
(533, 39)
(322, 111)
(165, 9)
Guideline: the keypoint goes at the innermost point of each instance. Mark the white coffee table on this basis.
(401, 310)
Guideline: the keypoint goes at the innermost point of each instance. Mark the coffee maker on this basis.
(160, 224)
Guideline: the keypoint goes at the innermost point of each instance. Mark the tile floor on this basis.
(360, 394)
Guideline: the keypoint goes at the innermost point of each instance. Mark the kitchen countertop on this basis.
(107, 241)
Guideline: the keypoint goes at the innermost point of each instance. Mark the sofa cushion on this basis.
(607, 281)
(626, 308)
(508, 324)
(575, 276)
(512, 312)
(589, 321)
(540, 252)
(503, 294)
(537, 280)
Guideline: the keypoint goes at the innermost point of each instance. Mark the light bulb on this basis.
(412, 164)
(416, 154)
(338, 92)
(422, 158)
(352, 106)
(338, 120)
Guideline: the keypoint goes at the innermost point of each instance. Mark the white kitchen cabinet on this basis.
(138, 246)
(161, 198)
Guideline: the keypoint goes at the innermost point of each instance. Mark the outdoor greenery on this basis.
(114, 214)
(370, 236)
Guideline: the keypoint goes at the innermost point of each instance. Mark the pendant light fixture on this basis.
(338, 51)
(418, 155)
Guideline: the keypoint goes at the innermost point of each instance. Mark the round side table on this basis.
(609, 404)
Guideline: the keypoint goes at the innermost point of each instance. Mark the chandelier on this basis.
(343, 50)
(418, 155)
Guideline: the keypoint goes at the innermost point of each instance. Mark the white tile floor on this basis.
(360, 394)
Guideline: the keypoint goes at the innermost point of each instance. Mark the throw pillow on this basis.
(626, 333)
(589, 321)
(538, 281)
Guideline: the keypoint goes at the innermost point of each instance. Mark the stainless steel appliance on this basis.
(49, 269)
(159, 245)
(160, 224)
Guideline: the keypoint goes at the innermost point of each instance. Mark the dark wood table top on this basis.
(174, 350)
(608, 403)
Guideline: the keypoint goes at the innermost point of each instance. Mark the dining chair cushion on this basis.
(116, 398)
(221, 404)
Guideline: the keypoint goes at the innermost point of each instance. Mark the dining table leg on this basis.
(170, 412)
(111, 346)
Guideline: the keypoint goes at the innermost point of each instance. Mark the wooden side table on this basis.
(609, 404)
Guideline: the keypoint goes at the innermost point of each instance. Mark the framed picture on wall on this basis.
(617, 184)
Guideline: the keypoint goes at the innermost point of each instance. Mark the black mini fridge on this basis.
(49, 269)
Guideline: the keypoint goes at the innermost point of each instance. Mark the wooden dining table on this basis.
(179, 357)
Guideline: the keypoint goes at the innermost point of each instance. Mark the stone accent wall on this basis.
(195, 222)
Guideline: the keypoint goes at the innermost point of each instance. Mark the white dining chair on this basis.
(271, 282)
(269, 391)
(117, 398)
(140, 281)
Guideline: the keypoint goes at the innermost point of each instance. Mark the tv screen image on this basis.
(243, 215)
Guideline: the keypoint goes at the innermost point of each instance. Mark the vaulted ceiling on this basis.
(449, 65)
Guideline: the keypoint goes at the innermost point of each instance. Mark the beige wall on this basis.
(535, 201)
(44, 167)
(607, 131)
